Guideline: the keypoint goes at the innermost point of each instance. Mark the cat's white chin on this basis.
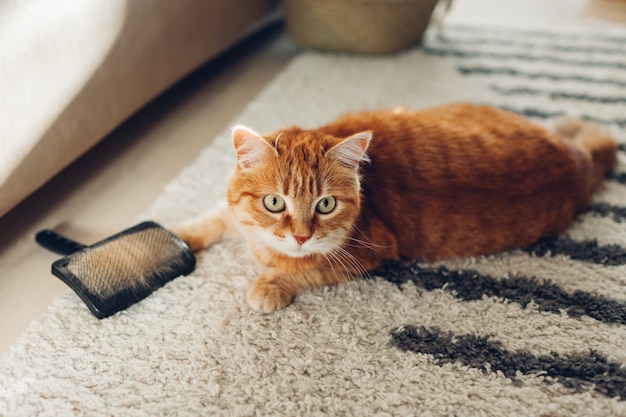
(295, 251)
(281, 247)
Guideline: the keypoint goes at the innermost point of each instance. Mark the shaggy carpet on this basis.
(539, 331)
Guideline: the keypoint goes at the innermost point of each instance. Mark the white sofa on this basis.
(73, 70)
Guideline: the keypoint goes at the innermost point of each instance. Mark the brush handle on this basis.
(57, 243)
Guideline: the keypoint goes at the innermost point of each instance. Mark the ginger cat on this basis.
(322, 206)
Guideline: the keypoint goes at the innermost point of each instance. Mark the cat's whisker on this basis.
(367, 242)
(244, 244)
(332, 262)
(240, 245)
(363, 244)
(343, 272)
(237, 261)
(358, 266)
(328, 252)
(350, 264)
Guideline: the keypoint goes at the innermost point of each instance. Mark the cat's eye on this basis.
(274, 203)
(326, 205)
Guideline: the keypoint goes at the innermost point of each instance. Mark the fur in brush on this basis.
(322, 206)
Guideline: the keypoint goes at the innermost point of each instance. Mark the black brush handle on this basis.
(57, 243)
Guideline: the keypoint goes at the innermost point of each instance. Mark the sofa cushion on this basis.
(73, 70)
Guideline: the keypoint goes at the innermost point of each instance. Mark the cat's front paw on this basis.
(267, 297)
(188, 236)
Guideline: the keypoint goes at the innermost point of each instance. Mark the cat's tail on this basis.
(593, 139)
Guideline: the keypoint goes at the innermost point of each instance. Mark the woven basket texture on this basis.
(357, 26)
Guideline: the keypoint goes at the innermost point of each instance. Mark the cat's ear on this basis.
(351, 150)
(251, 148)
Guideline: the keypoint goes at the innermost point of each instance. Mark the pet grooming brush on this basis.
(117, 272)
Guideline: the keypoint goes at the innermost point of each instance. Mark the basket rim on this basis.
(379, 2)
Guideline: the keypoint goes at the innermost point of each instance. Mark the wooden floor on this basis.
(105, 190)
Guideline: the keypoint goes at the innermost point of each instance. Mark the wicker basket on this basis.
(358, 26)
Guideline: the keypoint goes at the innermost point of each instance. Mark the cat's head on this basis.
(296, 192)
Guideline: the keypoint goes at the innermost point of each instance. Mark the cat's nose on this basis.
(301, 239)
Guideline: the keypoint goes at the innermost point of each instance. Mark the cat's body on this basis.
(456, 180)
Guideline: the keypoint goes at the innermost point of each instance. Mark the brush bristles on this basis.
(129, 262)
